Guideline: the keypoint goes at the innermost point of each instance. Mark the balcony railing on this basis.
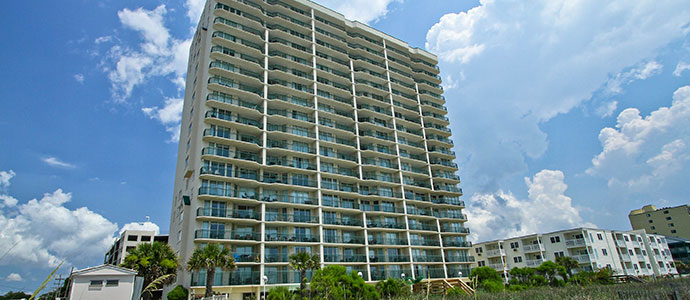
(227, 235)
(342, 221)
(288, 237)
(339, 239)
(271, 217)
(344, 258)
(228, 213)
(387, 241)
(389, 258)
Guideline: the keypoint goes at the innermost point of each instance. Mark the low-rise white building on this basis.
(105, 282)
(626, 252)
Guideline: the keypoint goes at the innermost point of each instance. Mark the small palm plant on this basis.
(303, 262)
(209, 258)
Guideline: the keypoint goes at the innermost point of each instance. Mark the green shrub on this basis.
(517, 287)
(281, 293)
(178, 293)
(392, 287)
(538, 280)
(333, 282)
(492, 286)
(455, 292)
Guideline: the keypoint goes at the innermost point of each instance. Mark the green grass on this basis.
(662, 288)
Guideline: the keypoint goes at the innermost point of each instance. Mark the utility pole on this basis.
(59, 280)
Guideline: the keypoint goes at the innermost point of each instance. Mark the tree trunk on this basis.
(302, 283)
(210, 273)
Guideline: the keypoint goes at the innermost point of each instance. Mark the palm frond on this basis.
(45, 282)
(154, 285)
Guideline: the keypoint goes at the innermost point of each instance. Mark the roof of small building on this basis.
(123, 271)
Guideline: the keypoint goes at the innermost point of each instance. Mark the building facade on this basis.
(105, 282)
(633, 252)
(303, 131)
(669, 221)
(130, 239)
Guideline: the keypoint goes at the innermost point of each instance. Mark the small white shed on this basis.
(105, 282)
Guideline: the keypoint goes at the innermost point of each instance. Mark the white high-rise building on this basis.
(304, 131)
(633, 252)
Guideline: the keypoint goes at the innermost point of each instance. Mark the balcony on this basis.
(583, 258)
(453, 243)
(533, 262)
(228, 213)
(339, 239)
(575, 243)
(459, 258)
(231, 278)
(339, 258)
(247, 258)
(293, 218)
(341, 204)
(290, 199)
(292, 238)
(225, 152)
(225, 192)
(495, 253)
(533, 248)
(342, 221)
(227, 235)
(422, 226)
(389, 258)
(424, 242)
(382, 208)
(427, 258)
(276, 257)
(389, 225)
(387, 241)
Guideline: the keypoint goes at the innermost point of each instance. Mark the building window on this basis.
(668, 218)
(514, 245)
(482, 263)
(653, 227)
(558, 254)
(478, 250)
(145, 238)
(666, 212)
(132, 238)
(112, 282)
(604, 252)
(671, 225)
(673, 231)
(517, 259)
(648, 215)
(601, 238)
(96, 283)
(651, 221)
(626, 238)
(555, 239)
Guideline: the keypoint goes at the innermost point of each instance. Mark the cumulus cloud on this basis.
(44, 232)
(680, 68)
(144, 226)
(158, 55)
(365, 11)
(5, 177)
(641, 153)
(57, 163)
(519, 64)
(14, 277)
(500, 214)
(170, 116)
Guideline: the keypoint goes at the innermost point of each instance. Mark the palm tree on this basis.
(153, 261)
(303, 262)
(568, 263)
(209, 258)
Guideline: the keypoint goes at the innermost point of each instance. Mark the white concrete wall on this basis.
(81, 289)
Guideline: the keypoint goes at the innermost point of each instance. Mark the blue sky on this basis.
(563, 113)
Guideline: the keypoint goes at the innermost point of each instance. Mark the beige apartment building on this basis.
(130, 239)
(633, 252)
(670, 221)
(304, 131)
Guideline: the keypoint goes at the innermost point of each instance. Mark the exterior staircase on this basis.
(441, 286)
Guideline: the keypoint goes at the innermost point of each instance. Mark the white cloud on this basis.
(57, 163)
(642, 154)
(44, 232)
(79, 78)
(148, 226)
(103, 39)
(641, 72)
(680, 68)
(194, 10)
(158, 55)
(607, 109)
(5, 177)
(501, 215)
(170, 116)
(365, 11)
(14, 277)
(521, 63)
